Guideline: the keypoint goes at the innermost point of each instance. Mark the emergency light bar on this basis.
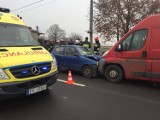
(4, 10)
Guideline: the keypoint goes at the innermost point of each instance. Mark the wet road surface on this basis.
(89, 99)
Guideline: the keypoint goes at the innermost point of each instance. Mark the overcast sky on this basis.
(70, 15)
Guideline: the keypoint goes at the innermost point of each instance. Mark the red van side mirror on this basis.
(119, 47)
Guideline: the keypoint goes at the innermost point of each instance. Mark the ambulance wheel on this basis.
(87, 71)
(114, 73)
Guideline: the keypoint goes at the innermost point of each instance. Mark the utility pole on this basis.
(91, 24)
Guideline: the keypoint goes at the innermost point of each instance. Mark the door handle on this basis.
(144, 54)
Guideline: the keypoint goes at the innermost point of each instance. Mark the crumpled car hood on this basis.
(93, 57)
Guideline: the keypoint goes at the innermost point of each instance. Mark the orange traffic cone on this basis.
(70, 80)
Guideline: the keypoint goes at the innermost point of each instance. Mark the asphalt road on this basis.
(91, 99)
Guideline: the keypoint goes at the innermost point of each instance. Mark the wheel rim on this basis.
(87, 71)
(113, 73)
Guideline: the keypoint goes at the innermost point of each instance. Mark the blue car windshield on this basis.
(84, 51)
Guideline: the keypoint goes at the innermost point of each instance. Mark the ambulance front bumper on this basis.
(22, 88)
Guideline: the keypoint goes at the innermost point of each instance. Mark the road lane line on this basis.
(61, 80)
(82, 85)
(78, 84)
(114, 92)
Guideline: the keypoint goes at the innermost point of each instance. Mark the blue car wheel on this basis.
(87, 71)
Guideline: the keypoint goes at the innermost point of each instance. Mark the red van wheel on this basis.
(87, 71)
(114, 73)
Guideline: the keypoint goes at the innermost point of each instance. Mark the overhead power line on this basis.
(38, 6)
(27, 5)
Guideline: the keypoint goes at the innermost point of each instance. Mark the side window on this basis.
(126, 43)
(70, 51)
(139, 39)
(59, 50)
(135, 41)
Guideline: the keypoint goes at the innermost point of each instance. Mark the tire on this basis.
(87, 71)
(114, 73)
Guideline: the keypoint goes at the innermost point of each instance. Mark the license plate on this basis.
(36, 89)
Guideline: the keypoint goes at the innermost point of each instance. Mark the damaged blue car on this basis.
(76, 58)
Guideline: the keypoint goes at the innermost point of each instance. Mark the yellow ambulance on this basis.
(25, 66)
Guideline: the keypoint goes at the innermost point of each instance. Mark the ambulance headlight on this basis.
(3, 75)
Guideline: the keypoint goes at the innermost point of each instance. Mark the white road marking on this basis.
(114, 92)
(78, 84)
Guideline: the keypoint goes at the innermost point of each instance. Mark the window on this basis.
(15, 35)
(126, 42)
(70, 51)
(59, 50)
(135, 41)
(139, 39)
(84, 50)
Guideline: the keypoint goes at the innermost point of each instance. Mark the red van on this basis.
(136, 55)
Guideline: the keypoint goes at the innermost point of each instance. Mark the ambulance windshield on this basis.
(16, 35)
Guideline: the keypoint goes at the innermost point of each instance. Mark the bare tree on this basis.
(75, 36)
(56, 33)
(118, 16)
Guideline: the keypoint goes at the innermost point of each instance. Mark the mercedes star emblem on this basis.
(35, 70)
